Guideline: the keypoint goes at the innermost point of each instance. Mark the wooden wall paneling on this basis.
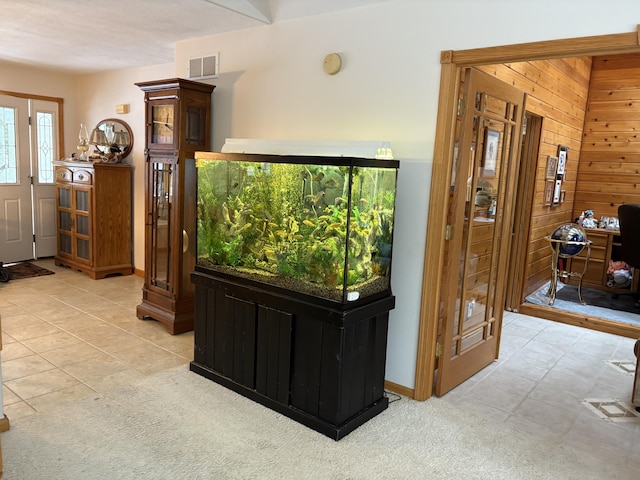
(610, 156)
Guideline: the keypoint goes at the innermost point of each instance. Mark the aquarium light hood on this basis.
(325, 148)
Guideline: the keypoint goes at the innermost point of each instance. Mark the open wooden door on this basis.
(479, 227)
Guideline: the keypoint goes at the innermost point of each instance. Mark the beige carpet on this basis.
(178, 425)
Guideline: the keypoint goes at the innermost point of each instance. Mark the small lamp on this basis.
(99, 140)
(121, 139)
(98, 137)
(83, 144)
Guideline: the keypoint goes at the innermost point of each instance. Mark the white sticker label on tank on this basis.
(353, 296)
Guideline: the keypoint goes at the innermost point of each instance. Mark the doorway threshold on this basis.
(581, 320)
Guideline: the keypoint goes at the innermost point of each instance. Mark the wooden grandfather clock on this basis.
(178, 122)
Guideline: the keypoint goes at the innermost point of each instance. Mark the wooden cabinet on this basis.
(605, 247)
(93, 204)
(321, 366)
(178, 122)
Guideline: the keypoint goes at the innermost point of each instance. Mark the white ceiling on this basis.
(83, 36)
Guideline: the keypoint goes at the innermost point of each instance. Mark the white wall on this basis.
(98, 95)
(272, 86)
(24, 79)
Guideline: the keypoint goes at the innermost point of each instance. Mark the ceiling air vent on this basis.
(204, 67)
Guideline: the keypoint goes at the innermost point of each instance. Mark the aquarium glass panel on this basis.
(320, 229)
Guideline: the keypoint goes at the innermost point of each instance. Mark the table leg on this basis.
(584, 272)
(553, 286)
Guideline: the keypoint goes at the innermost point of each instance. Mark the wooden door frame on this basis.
(525, 192)
(58, 100)
(452, 64)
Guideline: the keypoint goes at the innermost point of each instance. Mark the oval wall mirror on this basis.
(112, 136)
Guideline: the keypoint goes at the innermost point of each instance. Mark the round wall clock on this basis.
(332, 63)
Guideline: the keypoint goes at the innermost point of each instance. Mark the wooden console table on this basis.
(606, 247)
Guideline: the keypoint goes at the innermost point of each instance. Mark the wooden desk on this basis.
(606, 246)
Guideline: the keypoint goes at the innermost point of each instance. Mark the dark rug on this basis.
(26, 270)
(599, 298)
(599, 303)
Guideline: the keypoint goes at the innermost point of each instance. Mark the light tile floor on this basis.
(556, 381)
(67, 337)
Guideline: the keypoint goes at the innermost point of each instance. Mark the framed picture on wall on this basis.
(556, 192)
(548, 192)
(552, 166)
(562, 159)
(491, 144)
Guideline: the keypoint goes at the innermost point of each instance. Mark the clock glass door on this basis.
(162, 126)
(161, 203)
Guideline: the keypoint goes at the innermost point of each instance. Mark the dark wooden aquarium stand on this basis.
(319, 364)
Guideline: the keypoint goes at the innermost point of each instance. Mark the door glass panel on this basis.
(82, 225)
(195, 123)
(8, 147)
(161, 204)
(82, 200)
(65, 197)
(65, 244)
(45, 147)
(82, 248)
(65, 221)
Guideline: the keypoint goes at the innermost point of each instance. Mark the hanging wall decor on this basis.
(548, 192)
(552, 165)
(563, 153)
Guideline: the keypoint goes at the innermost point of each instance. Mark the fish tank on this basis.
(316, 226)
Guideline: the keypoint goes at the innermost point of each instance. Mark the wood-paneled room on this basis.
(591, 106)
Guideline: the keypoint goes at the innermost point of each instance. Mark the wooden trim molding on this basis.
(58, 100)
(435, 244)
(602, 325)
(571, 47)
(452, 64)
(399, 389)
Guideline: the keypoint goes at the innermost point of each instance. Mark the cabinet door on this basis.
(65, 222)
(82, 211)
(161, 221)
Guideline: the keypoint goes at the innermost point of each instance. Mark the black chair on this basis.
(629, 218)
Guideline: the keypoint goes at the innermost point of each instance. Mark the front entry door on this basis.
(480, 222)
(16, 233)
(28, 145)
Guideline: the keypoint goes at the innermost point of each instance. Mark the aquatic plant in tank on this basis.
(321, 226)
